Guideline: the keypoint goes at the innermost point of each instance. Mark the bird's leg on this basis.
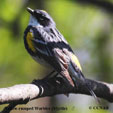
(75, 83)
(50, 74)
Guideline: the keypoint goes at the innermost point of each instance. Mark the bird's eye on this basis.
(40, 17)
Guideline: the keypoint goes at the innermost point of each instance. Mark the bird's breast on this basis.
(41, 61)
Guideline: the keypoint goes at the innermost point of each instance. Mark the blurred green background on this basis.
(88, 29)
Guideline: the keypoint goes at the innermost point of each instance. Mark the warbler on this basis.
(48, 47)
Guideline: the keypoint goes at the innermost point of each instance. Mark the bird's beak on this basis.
(31, 11)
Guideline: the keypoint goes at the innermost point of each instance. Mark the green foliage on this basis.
(9, 9)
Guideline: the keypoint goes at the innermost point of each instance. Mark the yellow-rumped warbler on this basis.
(48, 46)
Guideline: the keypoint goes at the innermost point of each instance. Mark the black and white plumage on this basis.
(48, 46)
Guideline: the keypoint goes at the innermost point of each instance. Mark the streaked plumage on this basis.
(48, 46)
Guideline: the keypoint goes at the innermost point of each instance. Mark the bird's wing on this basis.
(63, 61)
(51, 49)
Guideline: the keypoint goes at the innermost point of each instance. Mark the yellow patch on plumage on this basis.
(75, 59)
(29, 41)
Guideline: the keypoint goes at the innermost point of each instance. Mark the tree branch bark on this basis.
(23, 93)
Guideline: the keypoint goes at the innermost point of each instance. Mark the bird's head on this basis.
(40, 17)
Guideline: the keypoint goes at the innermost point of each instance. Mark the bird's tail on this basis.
(77, 75)
(83, 80)
(92, 92)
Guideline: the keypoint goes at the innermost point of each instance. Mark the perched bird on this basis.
(48, 47)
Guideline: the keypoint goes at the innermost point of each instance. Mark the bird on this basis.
(48, 47)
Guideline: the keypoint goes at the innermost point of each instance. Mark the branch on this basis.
(23, 93)
(104, 4)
